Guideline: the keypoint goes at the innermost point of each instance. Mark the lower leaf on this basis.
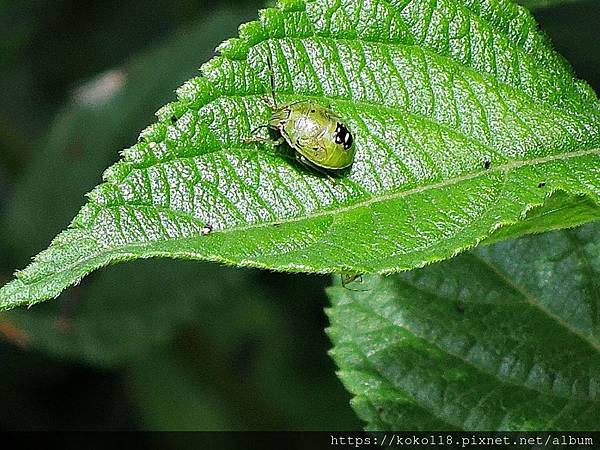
(506, 337)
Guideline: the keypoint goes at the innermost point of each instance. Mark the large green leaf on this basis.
(433, 91)
(504, 338)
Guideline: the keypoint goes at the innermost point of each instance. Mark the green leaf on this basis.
(560, 210)
(504, 338)
(432, 91)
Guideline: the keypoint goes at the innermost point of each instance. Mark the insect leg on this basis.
(349, 278)
(263, 140)
(269, 101)
(272, 102)
(253, 132)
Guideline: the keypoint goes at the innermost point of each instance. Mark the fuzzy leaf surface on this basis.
(464, 120)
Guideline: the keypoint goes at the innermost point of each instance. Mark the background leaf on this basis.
(432, 96)
(540, 4)
(506, 337)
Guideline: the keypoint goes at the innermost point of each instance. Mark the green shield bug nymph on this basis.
(318, 135)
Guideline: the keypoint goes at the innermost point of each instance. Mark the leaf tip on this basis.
(234, 48)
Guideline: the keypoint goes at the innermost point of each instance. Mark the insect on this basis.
(318, 135)
(349, 278)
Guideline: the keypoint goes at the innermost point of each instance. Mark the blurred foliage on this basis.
(234, 349)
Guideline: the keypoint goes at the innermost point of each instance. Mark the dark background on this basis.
(153, 345)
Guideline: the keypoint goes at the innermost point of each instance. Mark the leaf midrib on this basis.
(501, 168)
(107, 251)
(537, 304)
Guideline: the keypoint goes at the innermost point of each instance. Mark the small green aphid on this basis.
(318, 135)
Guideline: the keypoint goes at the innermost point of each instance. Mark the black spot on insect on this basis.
(343, 136)
(173, 119)
(312, 111)
(277, 224)
(541, 184)
(487, 164)
(460, 307)
(206, 230)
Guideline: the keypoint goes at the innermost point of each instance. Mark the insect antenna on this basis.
(258, 128)
(271, 79)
